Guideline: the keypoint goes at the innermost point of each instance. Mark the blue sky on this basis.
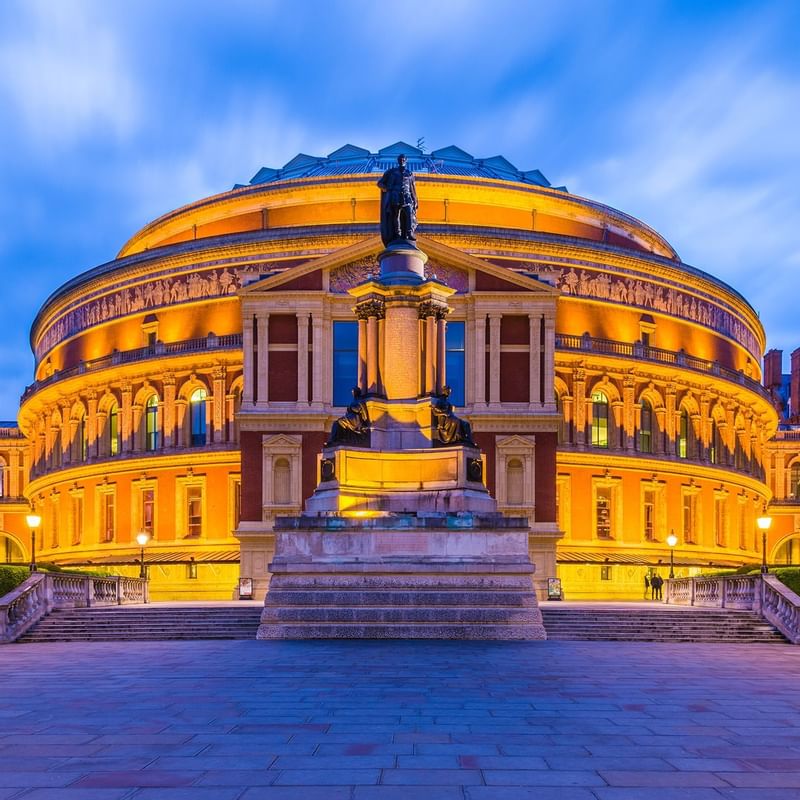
(683, 114)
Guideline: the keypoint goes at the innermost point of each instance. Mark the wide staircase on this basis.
(585, 622)
(147, 623)
(638, 623)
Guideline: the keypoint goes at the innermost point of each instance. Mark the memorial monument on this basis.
(401, 538)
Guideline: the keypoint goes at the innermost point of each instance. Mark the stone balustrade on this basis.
(23, 607)
(764, 594)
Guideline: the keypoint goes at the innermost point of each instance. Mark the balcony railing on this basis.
(231, 341)
(640, 352)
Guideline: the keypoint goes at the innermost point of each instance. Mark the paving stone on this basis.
(326, 777)
(527, 793)
(67, 793)
(527, 777)
(777, 780)
(139, 778)
(659, 793)
(431, 777)
(298, 793)
(408, 792)
(671, 779)
(193, 793)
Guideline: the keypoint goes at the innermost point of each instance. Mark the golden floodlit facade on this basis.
(185, 389)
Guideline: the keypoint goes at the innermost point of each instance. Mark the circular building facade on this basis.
(133, 420)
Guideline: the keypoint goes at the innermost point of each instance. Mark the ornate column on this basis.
(369, 311)
(13, 478)
(168, 435)
(549, 358)
(302, 357)
(91, 424)
(441, 351)
(429, 384)
(126, 417)
(494, 358)
(362, 354)
(705, 426)
(68, 431)
(317, 355)
(628, 412)
(262, 367)
(534, 358)
(247, 358)
(579, 393)
(218, 411)
(670, 405)
(479, 360)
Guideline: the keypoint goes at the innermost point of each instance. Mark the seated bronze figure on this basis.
(448, 428)
(353, 427)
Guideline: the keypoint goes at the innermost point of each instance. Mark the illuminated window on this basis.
(455, 361)
(191, 571)
(108, 516)
(603, 509)
(682, 439)
(720, 520)
(713, 443)
(794, 481)
(194, 512)
(649, 515)
(113, 430)
(77, 518)
(689, 517)
(151, 423)
(646, 428)
(599, 419)
(148, 499)
(197, 417)
(82, 439)
(345, 361)
(605, 573)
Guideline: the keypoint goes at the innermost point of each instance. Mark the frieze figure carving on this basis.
(398, 203)
(449, 429)
(353, 427)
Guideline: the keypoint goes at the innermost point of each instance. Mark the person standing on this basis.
(646, 587)
(656, 582)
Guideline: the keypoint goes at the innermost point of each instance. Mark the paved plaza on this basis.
(399, 720)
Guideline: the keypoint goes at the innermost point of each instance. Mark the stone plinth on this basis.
(402, 264)
(439, 576)
(366, 481)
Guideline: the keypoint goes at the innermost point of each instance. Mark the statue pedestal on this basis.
(401, 576)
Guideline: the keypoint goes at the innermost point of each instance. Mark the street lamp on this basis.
(764, 523)
(672, 540)
(142, 538)
(34, 521)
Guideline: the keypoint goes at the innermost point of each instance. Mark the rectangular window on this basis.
(605, 573)
(77, 519)
(720, 520)
(649, 513)
(690, 518)
(603, 512)
(191, 571)
(107, 516)
(148, 511)
(345, 361)
(455, 361)
(194, 512)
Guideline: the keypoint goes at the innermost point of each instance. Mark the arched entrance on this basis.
(12, 550)
(787, 551)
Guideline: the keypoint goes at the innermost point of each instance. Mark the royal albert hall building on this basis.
(167, 400)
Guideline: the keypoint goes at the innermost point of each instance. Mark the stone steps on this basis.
(656, 625)
(313, 597)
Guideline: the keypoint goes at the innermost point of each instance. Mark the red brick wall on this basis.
(546, 477)
(515, 370)
(252, 473)
(282, 375)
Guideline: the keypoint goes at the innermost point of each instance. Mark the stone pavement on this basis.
(399, 720)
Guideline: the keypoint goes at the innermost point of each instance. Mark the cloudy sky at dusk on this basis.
(683, 114)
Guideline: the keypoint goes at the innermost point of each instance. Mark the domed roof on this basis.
(352, 160)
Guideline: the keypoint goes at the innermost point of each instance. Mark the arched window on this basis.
(82, 439)
(646, 428)
(3, 472)
(281, 482)
(514, 481)
(794, 478)
(56, 453)
(113, 430)
(599, 419)
(151, 423)
(682, 438)
(197, 418)
(740, 458)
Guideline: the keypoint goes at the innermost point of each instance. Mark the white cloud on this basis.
(64, 74)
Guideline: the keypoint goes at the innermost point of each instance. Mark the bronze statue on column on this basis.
(398, 203)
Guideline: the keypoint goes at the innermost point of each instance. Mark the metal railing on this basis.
(231, 341)
(762, 593)
(640, 352)
(36, 597)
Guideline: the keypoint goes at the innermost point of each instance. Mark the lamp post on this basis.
(764, 523)
(672, 540)
(142, 538)
(34, 521)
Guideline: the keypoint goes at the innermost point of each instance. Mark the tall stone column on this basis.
(402, 341)
(168, 430)
(302, 358)
(579, 393)
(549, 358)
(218, 415)
(534, 358)
(317, 356)
(247, 358)
(262, 367)
(441, 353)
(92, 430)
(126, 414)
(430, 352)
(13, 478)
(494, 358)
(372, 354)
(362, 354)
(628, 411)
(479, 359)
